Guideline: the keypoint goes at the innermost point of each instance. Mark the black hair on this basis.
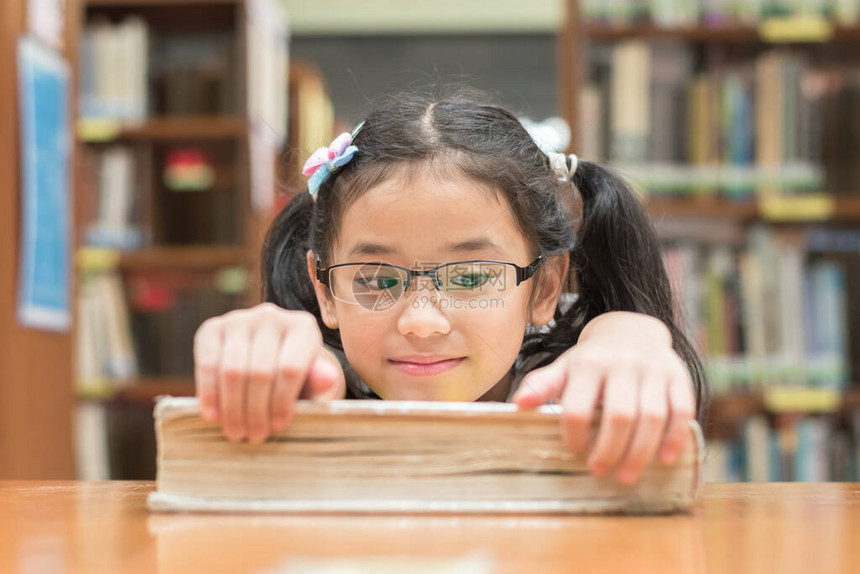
(596, 220)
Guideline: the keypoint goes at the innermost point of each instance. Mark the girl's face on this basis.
(420, 222)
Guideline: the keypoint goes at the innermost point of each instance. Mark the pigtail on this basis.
(618, 265)
(285, 280)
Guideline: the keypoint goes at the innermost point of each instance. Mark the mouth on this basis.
(425, 365)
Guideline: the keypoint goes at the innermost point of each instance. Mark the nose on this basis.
(422, 315)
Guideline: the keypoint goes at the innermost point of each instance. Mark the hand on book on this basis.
(251, 365)
(626, 360)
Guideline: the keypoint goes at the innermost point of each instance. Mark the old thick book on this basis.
(403, 456)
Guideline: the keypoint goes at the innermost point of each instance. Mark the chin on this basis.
(427, 391)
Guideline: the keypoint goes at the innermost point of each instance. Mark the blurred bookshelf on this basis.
(181, 113)
(736, 125)
(719, 34)
(105, 131)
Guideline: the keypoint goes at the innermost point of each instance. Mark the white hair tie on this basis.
(564, 166)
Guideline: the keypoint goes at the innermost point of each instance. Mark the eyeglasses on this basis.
(380, 285)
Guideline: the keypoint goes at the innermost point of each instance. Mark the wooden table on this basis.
(68, 527)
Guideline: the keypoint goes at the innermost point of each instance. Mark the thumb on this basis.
(541, 385)
(325, 380)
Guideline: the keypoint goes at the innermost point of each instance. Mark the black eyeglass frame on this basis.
(523, 273)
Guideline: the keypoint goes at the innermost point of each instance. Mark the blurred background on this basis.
(178, 128)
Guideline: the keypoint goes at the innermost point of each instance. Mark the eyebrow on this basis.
(474, 244)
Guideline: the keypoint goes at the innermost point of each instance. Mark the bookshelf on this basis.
(37, 394)
(169, 222)
(841, 209)
(727, 232)
(163, 129)
(740, 34)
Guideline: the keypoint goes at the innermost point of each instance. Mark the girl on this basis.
(428, 262)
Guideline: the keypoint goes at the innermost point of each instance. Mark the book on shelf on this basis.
(92, 449)
(811, 447)
(167, 311)
(402, 456)
(770, 310)
(130, 71)
(105, 350)
(194, 73)
(776, 123)
(312, 114)
(716, 14)
(113, 206)
(114, 64)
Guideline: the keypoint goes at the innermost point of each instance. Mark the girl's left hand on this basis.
(626, 359)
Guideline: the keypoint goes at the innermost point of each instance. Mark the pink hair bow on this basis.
(327, 160)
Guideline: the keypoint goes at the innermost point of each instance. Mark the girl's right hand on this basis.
(251, 365)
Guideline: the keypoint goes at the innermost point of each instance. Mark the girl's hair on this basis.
(612, 246)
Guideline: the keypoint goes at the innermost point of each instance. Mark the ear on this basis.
(549, 289)
(327, 308)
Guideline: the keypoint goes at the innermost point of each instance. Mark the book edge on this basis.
(163, 502)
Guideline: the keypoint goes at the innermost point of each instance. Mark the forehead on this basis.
(426, 215)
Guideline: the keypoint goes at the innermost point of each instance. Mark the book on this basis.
(114, 70)
(104, 345)
(403, 456)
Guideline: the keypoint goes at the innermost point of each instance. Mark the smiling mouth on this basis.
(426, 368)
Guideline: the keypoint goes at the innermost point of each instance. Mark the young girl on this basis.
(428, 261)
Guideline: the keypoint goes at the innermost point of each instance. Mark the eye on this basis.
(470, 280)
(377, 283)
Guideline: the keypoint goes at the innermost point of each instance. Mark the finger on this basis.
(298, 349)
(681, 411)
(261, 380)
(649, 428)
(542, 385)
(620, 402)
(207, 360)
(323, 380)
(234, 369)
(578, 407)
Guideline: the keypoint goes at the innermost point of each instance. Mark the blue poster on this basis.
(45, 235)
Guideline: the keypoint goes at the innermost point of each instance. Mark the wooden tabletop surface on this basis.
(70, 527)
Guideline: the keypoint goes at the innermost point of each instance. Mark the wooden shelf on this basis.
(738, 406)
(148, 3)
(710, 208)
(191, 128)
(190, 257)
(845, 208)
(699, 34)
(143, 390)
(166, 257)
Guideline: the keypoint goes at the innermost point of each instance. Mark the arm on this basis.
(625, 324)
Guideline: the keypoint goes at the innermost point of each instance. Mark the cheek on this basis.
(499, 331)
(361, 332)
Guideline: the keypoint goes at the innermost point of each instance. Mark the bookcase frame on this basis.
(36, 382)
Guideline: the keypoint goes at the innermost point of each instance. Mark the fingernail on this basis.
(329, 370)
(626, 475)
(668, 456)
